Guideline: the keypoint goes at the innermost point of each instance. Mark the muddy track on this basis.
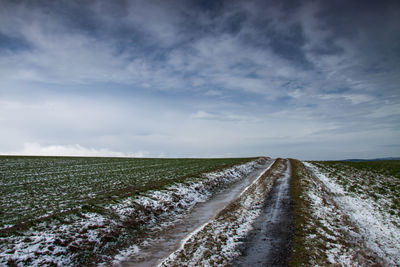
(269, 243)
(170, 239)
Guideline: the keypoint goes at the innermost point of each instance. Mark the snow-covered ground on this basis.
(97, 230)
(370, 224)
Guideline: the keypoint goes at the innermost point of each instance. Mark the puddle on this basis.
(169, 240)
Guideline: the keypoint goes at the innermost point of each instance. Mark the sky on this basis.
(302, 79)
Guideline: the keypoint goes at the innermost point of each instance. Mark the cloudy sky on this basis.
(303, 79)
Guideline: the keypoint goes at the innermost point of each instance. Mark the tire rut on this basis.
(269, 243)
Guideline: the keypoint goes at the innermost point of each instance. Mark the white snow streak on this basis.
(381, 235)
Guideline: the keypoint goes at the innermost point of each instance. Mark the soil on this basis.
(269, 243)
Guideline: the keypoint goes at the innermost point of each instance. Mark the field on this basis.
(346, 213)
(66, 210)
(377, 180)
(35, 187)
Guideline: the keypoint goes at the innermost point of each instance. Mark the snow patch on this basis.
(375, 225)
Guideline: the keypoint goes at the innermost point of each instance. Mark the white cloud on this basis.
(353, 98)
(213, 93)
(386, 111)
(357, 98)
(203, 115)
(36, 149)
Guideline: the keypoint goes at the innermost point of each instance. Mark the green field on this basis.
(379, 180)
(36, 187)
(346, 212)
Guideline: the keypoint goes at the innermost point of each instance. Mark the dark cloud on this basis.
(212, 8)
(327, 47)
(303, 70)
(372, 26)
(349, 19)
(234, 23)
(289, 44)
(13, 44)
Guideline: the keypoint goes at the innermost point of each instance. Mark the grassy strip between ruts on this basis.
(301, 214)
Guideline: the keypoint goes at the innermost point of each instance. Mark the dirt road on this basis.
(169, 240)
(269, 243)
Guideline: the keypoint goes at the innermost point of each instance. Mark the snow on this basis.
(124, 255)
(374, 223)
(330, 225)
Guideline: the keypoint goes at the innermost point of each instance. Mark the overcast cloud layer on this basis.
(304, 79)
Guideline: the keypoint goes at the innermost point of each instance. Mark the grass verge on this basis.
(324, 234)
(301, 255)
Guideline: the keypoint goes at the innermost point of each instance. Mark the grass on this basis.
(325, 232)
(301, 255)
(115, 202)
(386, 167)
(379, 180)
(313, 235)
(38, 187)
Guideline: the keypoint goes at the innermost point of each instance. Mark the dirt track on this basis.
(170, 240)
(269, 243)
